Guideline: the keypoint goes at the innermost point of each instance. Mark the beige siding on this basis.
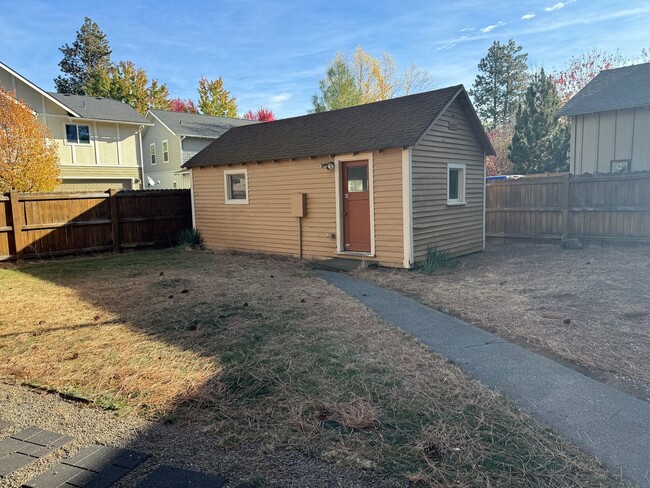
(266, 225)
(600, 138)
(458, 228)
(97, 178)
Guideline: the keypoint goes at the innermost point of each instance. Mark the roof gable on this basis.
(38, 89)
(197, 125)
(398, 122)
(612, 89)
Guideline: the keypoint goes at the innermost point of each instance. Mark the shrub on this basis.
(190, 238)
(434, 259)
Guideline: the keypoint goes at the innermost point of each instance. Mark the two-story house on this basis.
(173, 138)
(99, 140)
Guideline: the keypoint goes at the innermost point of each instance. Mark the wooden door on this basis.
(356, 206)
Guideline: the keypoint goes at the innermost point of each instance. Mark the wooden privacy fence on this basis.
(591, 207)
(51, 224)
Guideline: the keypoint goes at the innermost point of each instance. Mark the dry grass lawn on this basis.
(589, 307)
(257, 349)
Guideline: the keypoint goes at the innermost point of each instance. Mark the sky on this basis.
(272, 53)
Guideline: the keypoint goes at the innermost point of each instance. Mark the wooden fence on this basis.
(51, 224)
(589, 207)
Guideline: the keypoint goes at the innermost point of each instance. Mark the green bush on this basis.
(434, 259)
(189, 238)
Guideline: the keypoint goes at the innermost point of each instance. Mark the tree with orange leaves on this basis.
(28, 154)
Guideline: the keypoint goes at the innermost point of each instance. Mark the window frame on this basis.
(165, 153)
(77, 142)
(152, 154)
(226, 181)
(462, 181)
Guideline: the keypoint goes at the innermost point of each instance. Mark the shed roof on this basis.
(612, 89)
(398, 122)
(198, 125)
(99, 108)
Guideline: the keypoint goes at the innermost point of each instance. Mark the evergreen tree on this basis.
(540, 142)
(89, 53)
(500, 85)
(338, 89)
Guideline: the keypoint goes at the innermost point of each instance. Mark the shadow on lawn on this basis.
(177, 336)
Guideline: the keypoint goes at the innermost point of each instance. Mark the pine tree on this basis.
(500, 85)
(89, 53)
(540, 142)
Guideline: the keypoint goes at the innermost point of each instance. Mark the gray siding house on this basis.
(173, 139)
(610, 122)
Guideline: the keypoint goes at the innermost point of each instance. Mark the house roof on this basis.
(398, 122)
(37, 88)
(197, 125)
(612, 89)
(99, 108)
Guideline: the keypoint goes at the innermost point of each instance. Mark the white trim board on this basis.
(407, 206)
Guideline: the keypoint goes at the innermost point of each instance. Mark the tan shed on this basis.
(380, 182)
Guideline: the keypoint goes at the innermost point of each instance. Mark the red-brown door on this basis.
(356, 206)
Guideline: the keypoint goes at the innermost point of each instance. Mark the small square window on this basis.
(165, 147)
(77, 134)
(152, 152)
(455, 184)
(236, 187)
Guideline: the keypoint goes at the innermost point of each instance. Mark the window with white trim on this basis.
(236, 186)
(77, 134)
(152, 152)
(455, 184)
(165, 147)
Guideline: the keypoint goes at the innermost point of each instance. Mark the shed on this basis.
(380, 182)
(610, 122)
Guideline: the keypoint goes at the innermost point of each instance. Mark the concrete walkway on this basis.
(612, 425)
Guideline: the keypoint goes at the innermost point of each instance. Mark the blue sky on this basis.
(272, 53)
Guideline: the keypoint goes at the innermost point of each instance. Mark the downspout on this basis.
(141, 171)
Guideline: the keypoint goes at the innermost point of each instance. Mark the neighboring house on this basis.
(381, 182)
(99, 140)
(610, 122)
(173, 139)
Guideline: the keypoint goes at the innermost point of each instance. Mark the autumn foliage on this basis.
(582, 69)
(500, 137)
(262, 114)
(179, 105)
(28, 155)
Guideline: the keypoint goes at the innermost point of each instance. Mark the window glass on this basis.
(357, 178)
(454, 182)
(84, 134)
(71, 133)
(165, 147)
(237, 185)
(152, 153)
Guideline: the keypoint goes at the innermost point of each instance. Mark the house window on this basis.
(165, 146)
(152, 152)
(455, 184)
(236, 182)
(77, 134)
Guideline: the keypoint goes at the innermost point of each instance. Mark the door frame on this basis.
(338, 177)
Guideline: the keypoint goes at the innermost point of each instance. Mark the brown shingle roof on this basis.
(398, 122)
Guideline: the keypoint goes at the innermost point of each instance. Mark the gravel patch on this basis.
(175, 445)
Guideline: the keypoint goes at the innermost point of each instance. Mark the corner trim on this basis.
(407, 206)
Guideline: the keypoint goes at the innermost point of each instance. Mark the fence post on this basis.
(112, 196)
(566, 202)
(17, 224)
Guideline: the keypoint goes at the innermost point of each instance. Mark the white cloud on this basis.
(281, 98)
(527, 16)
(467, 29)
(557, 6)
(489, 28)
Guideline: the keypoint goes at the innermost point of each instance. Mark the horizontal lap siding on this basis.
(458, 229)
(266, 224)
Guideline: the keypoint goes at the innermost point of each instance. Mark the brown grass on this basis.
(589, 307)
(258, 349)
